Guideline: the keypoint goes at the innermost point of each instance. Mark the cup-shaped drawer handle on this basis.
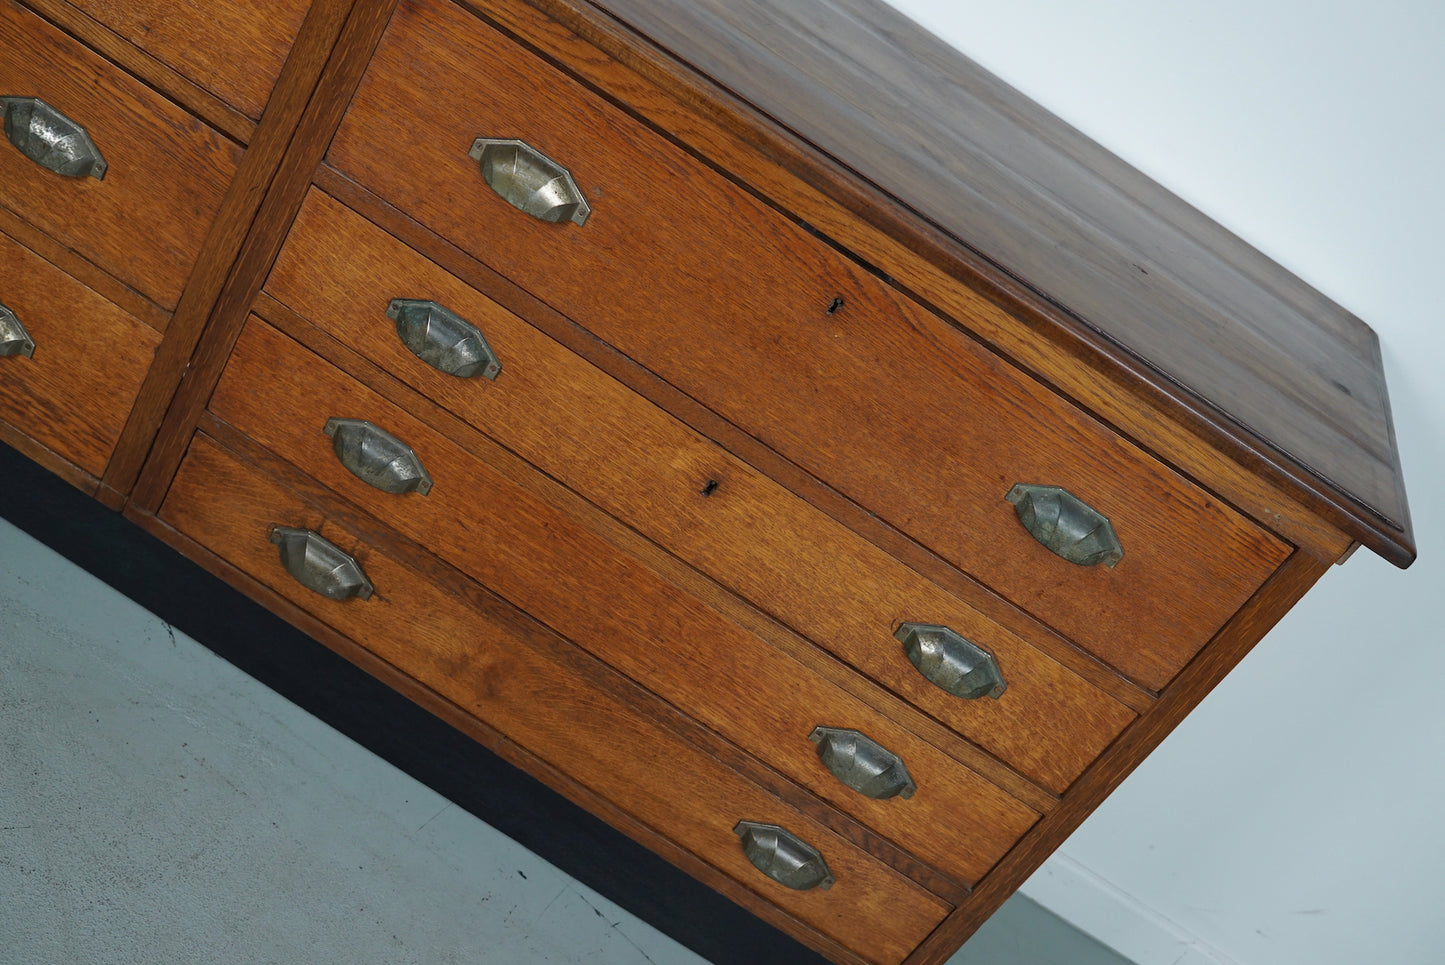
(377, 457)
(862, 763)
(529, 180)
(783, 856)
(1067, 525)
(51, 139)
(14, 340)
(950, 661)
(443, 339)
(319, 564)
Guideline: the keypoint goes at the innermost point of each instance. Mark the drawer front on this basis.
(75, 391)
(553, 567)
(165, 174)
(232, 49)
(772, 328)
(519, 683)
(635, 461)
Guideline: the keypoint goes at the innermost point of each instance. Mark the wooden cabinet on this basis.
(73, 388)
(728, 533)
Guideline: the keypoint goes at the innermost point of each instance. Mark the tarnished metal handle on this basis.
(377, 457)
(1064, 523)
(783, 856)
(443, 339)
(862, 763)
(951, 662)
(530, 181)
(14, 340)
(51, 139)
(320, 565)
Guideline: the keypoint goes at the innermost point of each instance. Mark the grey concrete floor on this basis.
(159, 806)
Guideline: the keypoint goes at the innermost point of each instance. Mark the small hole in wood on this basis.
(834, 305)
(710, 488)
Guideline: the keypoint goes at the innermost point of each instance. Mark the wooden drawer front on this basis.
(74, 393)
(556, 569)
(166, 171)
(231, 48)
(728, 300)
(518, 680)
(643, 466)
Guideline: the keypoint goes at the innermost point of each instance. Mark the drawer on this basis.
(75, 391)
(543, 561)
(638, 463)
(232, 49)
(772, 328)
(518, 680)
(165, 173)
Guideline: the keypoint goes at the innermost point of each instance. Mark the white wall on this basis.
(1292, 818)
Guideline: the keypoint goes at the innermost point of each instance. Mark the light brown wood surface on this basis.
(547, 708)
(73, 395)
(1288, 369)
(147, 68)
(637, 462)
(85, 272)
(166, 171)
(232, 48)
(747, 145)
(220, 269)
(316, 84)
(549, 565)
(880, 399)
(631, 543)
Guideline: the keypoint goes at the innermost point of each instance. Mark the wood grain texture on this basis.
(447, 578)
(643, 466)
(1234, 642)
(699, 418)
(1039, 199)
(628, 541)
(167, 172)
(752, 149)
(466, 722)
(230, 48)
(545, 563)
(327, 61)
(880, 399)
(85, 272)
(143, 66)
(545, 706)
(220, 267)
(74, 394)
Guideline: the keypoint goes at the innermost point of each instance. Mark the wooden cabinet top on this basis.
(1087, 250)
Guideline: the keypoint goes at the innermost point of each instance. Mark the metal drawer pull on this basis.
(949, 661)
(530, 181)
(319, 565)
(14, 340)
(1066, 525)
(862, 763)
(51, 139)
(443, 339)
(783, 856)
(377, 457)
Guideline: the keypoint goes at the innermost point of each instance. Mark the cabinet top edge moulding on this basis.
(1085, 252)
